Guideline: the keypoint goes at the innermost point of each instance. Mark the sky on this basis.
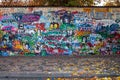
(101, 3)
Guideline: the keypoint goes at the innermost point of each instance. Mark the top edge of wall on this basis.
(65, 6)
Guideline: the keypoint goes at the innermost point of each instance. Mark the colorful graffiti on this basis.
(58, 32)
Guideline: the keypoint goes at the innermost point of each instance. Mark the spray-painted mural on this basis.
(59, 32)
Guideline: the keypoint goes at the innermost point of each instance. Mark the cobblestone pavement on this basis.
(62, 66)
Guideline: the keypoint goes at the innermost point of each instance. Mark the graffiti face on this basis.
(58, 32)
(66, 18)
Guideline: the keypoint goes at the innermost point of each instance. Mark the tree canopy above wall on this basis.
(68, 3)
(47, 2)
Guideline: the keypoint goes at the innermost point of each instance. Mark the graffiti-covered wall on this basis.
(59, 31)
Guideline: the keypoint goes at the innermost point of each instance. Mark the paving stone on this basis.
(75, 65)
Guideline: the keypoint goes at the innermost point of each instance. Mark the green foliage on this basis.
(70, 2)
(80, 3)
